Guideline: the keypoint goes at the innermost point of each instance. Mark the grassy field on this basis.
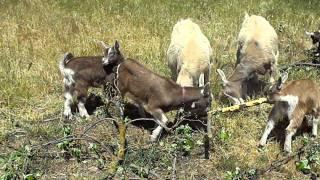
(36, 33)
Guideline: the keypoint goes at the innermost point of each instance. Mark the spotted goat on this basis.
(294, 101)
(79, 74)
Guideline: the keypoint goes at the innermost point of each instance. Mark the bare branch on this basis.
(96, 123)
(174, 171)
(151, 119)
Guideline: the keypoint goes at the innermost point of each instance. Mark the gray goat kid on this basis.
(80, 73)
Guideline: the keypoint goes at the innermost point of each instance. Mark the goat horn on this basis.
(309, 33)
(102, 44)
(222, 75)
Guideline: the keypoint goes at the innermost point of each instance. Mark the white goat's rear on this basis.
(294, 101)
(189, 54)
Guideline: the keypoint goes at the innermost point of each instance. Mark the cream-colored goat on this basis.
(257, 55)
(189, 54)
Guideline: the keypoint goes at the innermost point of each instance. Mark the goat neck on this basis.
(183, 92)
(241, 73)
(190, 94)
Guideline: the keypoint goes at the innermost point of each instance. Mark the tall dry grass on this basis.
(36, 33)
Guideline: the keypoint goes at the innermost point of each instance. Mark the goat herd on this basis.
(190, 58)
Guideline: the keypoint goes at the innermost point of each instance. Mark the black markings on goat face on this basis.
(112, 55)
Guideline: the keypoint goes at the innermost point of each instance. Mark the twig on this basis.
(299, 64)
(207, 139)
(151, 119)
(50, 119)
(96, 141)
(238, 107)
(140, 119)
(174, 171)
(70, 137)
(193, 120)
(278, 163)
(306, 64)
(95, 124)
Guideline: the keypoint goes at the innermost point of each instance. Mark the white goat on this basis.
(257, 54)
(293, 100)
(189, 54)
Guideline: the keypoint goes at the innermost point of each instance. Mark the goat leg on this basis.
(159, 115)
(267, 131)
(315, 122)
(81, 90)
(275, 114)
(288, 140)
(142, 113)
(67, 105)
(295, 123)
(81, 107)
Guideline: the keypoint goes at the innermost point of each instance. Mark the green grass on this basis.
(35, 34)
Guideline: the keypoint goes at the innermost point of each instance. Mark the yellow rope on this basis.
(237, 107)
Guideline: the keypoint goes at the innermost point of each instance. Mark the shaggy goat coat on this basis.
(257, 55)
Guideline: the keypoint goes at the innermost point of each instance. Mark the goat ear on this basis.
(279, 84)
(222, 75)
(201, 80)
(116, 45)
(282, 79)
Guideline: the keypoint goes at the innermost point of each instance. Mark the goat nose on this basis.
(105, 60)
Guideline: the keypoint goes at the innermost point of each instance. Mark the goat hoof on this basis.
(153, 139)
(261, 145)
(67, 116)
(84, 116)
(287, 151)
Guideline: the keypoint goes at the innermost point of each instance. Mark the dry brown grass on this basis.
(35, 34)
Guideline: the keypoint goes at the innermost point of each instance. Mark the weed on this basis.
(183, 139)
(15, 165)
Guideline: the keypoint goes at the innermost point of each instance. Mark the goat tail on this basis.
(62, 64)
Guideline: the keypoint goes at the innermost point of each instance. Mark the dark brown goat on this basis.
(155, 93)
(80, 73)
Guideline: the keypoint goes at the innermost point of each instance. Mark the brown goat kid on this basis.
(155, 93)
(293, 100)
(80, 73)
